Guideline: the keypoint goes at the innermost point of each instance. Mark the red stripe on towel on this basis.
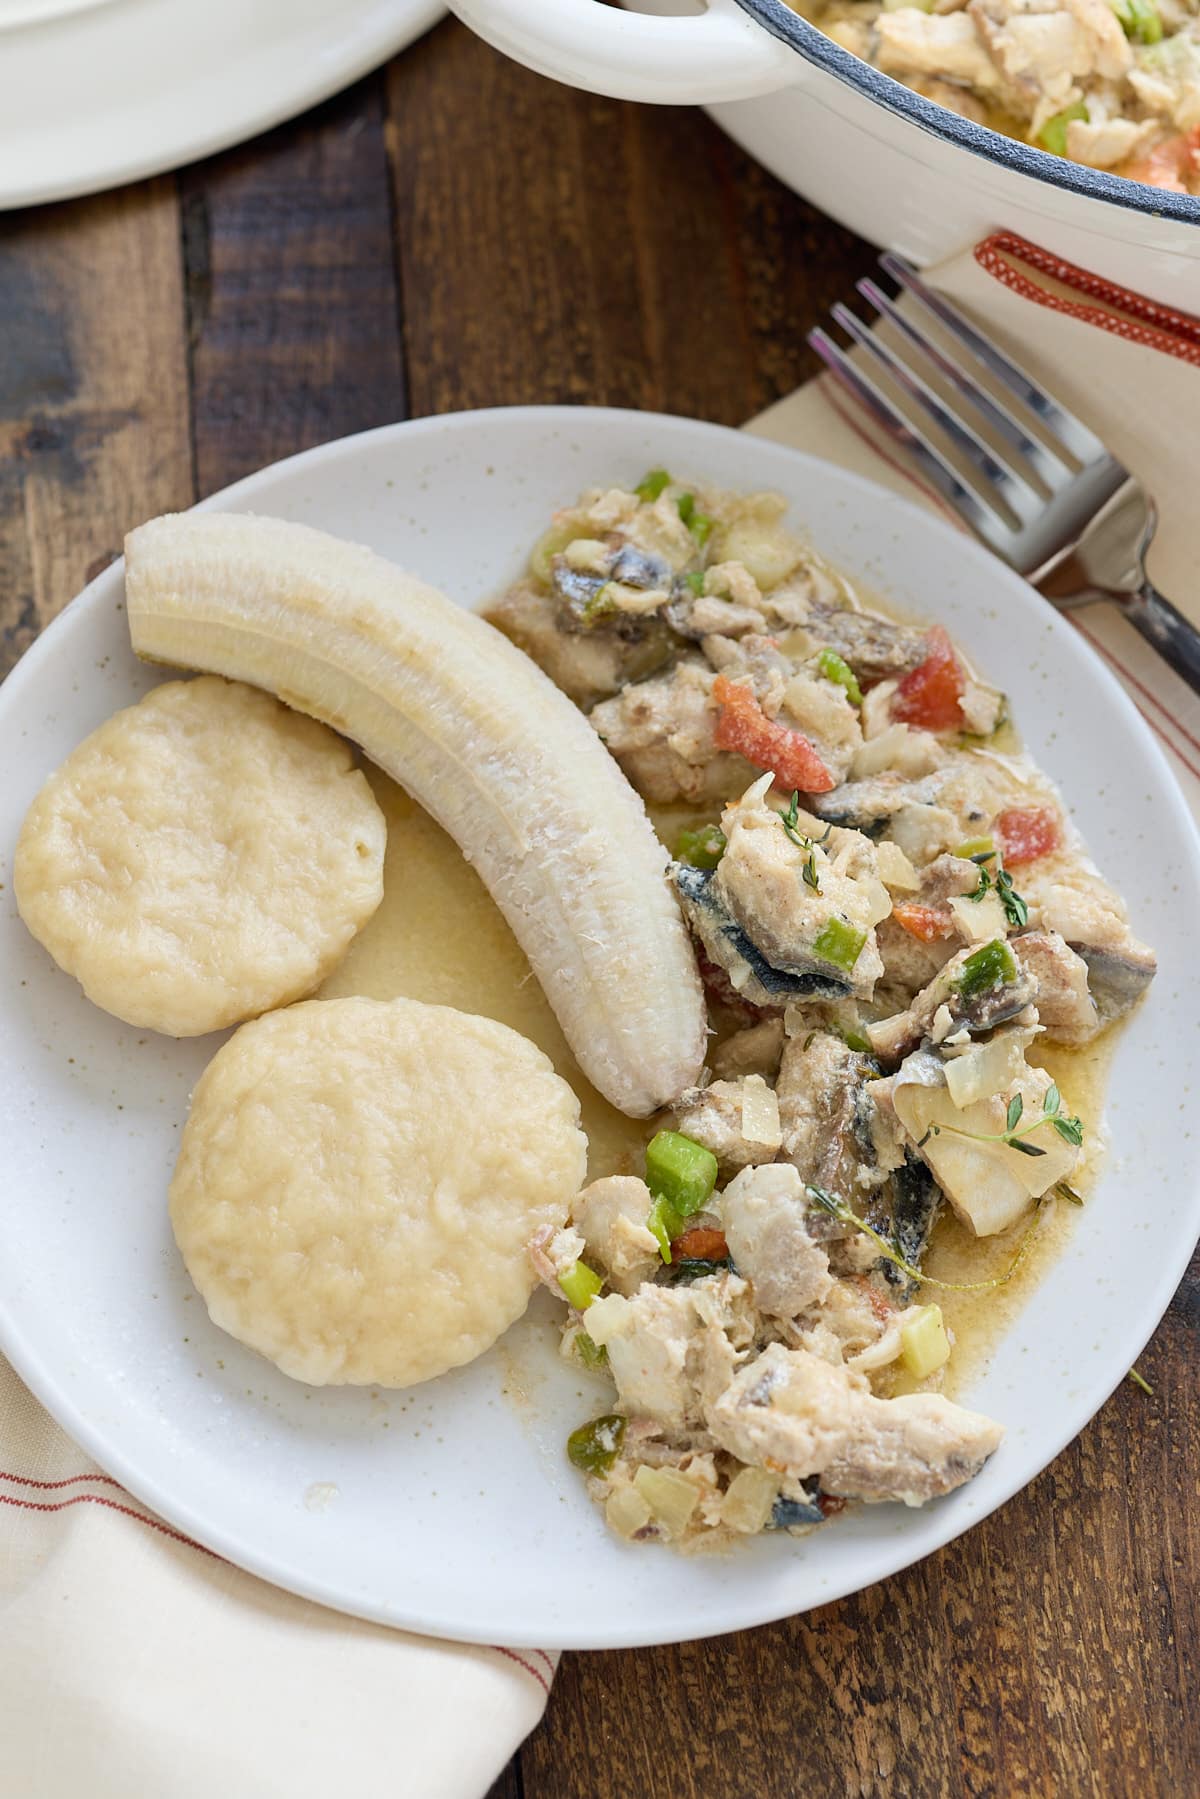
(1140, 320)
(1127, 675)
(62, 1505)
(49, 1486)
(522, 1663)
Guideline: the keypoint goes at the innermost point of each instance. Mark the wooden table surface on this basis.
(454, 232)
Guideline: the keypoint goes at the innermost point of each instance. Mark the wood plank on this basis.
(291, 290)
(507, 1784)
(560, 247)
(93, 393)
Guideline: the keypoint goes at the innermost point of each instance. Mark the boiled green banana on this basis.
(479, 736)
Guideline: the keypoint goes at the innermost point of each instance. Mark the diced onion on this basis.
(895, 869)
(749, 1500)
(627, 1512)
(671, 1496)
(760, 1113)
(980, 920)
(986, 1068)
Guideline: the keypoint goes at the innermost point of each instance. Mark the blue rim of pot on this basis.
(1010, 153)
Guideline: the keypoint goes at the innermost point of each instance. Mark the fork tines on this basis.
(1004, 483)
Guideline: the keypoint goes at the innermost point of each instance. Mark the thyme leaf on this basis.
(1015, 909)
(837, 1208)
(1069, 1129)
(790, 820)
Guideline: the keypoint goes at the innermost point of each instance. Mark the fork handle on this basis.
(1174, 637)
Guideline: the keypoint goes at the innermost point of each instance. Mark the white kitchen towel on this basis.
(133, 1662)
(136, 1665)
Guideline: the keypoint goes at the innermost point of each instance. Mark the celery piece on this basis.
(924, 1345)
(840, 943)
(976, 849)
(663, 1222)
(836, 669)
(592, 1355)
(601, 605)
(581, 1284)
(1139, 20)
(1053, 135)
(595, 1447)
(701, 848)
(991, 966)
(698, 523)
(680, 1171)
(550, 544)
(651, 485)
(694, 582)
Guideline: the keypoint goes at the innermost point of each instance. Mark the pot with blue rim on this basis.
(886, 160)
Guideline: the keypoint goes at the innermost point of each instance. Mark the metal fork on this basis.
(1055, 505)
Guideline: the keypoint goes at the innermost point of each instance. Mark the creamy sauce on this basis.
(979, 1320)
(439, 937)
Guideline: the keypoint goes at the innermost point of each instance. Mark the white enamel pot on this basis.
(890, 164)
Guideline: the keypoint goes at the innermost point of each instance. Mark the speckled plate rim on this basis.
(631, 1596)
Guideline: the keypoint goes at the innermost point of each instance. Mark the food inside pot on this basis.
(1114, 84)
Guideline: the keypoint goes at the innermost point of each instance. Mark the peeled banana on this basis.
(479, 736)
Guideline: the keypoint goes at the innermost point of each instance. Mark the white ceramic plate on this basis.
(98, 92)
(455, 1510)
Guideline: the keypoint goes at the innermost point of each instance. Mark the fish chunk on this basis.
(662, 733)
(610, 1214)
(912, 1449)
(1066, 1009)
(719, 1117)
(672, 1348)
(765, 1215)
(898, 1036)
(797, 1413)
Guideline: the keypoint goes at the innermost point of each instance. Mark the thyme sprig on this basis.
(837, 1208)
(1139, 1380)
(790, 820)
(1069, 1129)
(1015, 909)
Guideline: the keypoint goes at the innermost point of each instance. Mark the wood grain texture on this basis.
(291, 290)
(558, 247)
(93, 393)
(459, 233)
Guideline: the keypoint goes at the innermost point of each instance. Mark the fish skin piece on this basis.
(473, 729)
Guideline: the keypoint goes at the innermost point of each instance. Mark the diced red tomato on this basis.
(1173, 164)
(700, 1244)
(830, 1505)
(930, 695)
(744, 727)
(929, 924)
(1025, 833)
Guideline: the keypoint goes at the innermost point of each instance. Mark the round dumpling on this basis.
(205, 855)
(358, 1182)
